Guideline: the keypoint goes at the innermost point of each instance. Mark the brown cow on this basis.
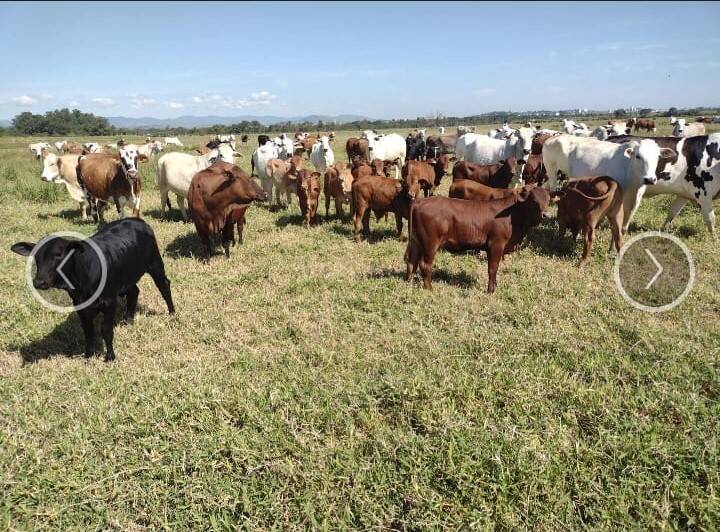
(538, 141)
(641, 123)
(356, 148)
(74, 148)
(472, 190)
(497, 226)
(381, 195)
(534, 170)
(497, 175)
(284, 176)
(361, 168)
(338, 186)
(115, 178)
(428, 174)
(308, 192)
(583, 203)
(217, 197)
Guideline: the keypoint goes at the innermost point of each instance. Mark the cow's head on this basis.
(48, 259)
(51, 168)
(129, 159)
(533, 201)
(679, 129)
(644, 156)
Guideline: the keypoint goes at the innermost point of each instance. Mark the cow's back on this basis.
(98, 173)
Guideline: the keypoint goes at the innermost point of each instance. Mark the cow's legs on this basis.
(362, 221)
(164, 201)
(131, 303)
(676, 206)
(631, 202)
(181, 205)
(426, 263)
(588, 233)
(87, 316)
(339, 208)
(327, 204)
(495, 254)
(412, 258)
(108, 324)
(228, 236)
(157, 272)
(267, 186)
(706, 207)
(399, 226)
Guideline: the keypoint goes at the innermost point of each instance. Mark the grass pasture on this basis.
(303, 384)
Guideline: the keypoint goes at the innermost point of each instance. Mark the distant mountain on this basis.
(205, 121)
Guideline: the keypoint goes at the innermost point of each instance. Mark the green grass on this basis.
(304, 384)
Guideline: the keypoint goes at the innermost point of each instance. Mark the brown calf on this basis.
(582, 203)
(496, 226)
(427, 174)
(497, 175)
(362, 168)
(337, 186)
(380, 195)
(472, 190)
(356, 148)
(308, 192)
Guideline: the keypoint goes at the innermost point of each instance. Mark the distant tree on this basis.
(62, 122)
(673, 111)
(619, 113)
(645, 111)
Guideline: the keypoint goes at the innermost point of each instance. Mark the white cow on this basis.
(93, 147)
(545, 131)
(370, 133)
(462, 143)
(63, 170)
(172, 140)
(581, 130)
(61, 146)
(176, 170)
(441, 130)
(285, 146)
(569, 125)
(322, 156)
(682, 129)
(390, 147)
(260, 159)
(38, 148)
(501, 132)
(229, 139)
(617, 128)
(149, 148)
(632, 164)
(600, 133)
(484, 150)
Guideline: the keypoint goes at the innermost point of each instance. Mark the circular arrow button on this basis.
(654, 271)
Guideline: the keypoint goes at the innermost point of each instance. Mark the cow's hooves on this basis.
(109, 357)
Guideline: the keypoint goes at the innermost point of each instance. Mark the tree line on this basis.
(64, 122)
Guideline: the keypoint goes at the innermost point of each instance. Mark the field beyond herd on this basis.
(303, 383)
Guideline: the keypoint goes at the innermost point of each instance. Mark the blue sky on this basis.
(374, 59)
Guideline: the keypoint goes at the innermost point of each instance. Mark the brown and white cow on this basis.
(107, 178)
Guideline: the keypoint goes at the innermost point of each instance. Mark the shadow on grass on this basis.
(73, 215)
(187, 246)
(290, 219)
(173, 215)
(67, 338)
(461, 279)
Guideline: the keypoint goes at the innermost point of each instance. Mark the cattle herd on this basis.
(590, 175)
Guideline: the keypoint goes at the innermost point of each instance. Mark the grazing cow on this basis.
(308, 191)
(534, 170)
(497, 226)
(647, 124)
(484, 150)
(389, 147)
(704, 119)
(214, 194)
(63, 170)
(692, 175)
(415, 147)
(583, 203)
(428, 174)
(632, 165)
(172, 140)
(130, 250)
(38, 147)
(381, 195)
(338, 187)
(176, 170)
(322, 156)
(472, 190)
(356, 148)
(682, 129)
(498, 175)
(244, 139)
(112, 178)
(61, 146)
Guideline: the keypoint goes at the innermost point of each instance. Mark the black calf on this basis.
(130, 250)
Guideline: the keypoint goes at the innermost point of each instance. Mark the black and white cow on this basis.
(692, 175)
(130, 250)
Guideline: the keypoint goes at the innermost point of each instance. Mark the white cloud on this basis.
(216, 101)
(197, 99)
(175, 105)
(486, 91)
(103, 101)
(139, 102)
(24, 100)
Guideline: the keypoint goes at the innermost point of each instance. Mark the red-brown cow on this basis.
(356, 148)
(472, 190)
(217, 198)
(497, 175)
(534, 170)
(496, 226)
(381, 195)
(308, 191)
(428, 174)
(338, 187)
